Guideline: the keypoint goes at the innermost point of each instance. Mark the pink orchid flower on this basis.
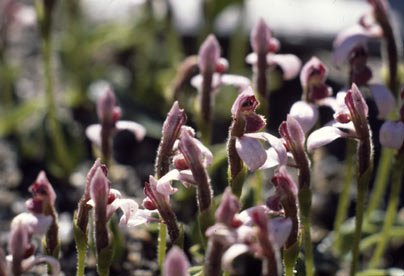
(248, 145)
(108, 114)
(212, 65)
(263, 43)
(21, 250)
(351, 116)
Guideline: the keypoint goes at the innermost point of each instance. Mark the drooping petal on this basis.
(305, 113)
(290, 64)
(392, 134)
(137, 129)
(276, 144)
(251, 58)
(246, 215)
(350, 38)
(384, 100)
(233, 252)
(251, 152)
(238, 81)
(279, 230)
(198, 80)
(175, 263)
(164, 184)
(129, 208)
(323, 136)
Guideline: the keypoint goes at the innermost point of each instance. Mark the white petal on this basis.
(305, 113)
(251, 58)
(231, 253)
(27, 264)
(93, 133)
(392, 134)
(290, 64)
(238, 81)
(275, 142)
(137, 129)
(197, 81)
(164, 184)
(279, 229)
(272, 159)
(251, 151)
(129, 208)
(323, 136)
(384, 100)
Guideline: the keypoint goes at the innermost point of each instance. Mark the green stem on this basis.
(161, 249)
(382, 177)
(304, 197)
(391, 211)
(366, 243)
(81, 258)
(363, 182)
(58, 142)
(343, 202)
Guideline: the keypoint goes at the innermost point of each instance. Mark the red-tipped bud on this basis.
(107, 111)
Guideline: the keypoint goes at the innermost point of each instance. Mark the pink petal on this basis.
(246, 215)
(323, 136)
(279, 229)
(27, 264)
(384, 100)
(206, 153)
(129, 208)
(246, 96)
(392, 134)
(175, 263)
(99, 189)
(42, 188)
(305, 113)
(295, 130)
(198, 79)
(290, 64)
(233, 252)
(137, 129)
(276, 143)
(164, 184)
(313, 65)
(251, 152)
(93, 133)
(348, 39)
(228, 207)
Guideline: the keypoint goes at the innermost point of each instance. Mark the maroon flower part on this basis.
(20, 247)
(191, 150)
(43, 202)
(108, 114)
(312, 79)
(294, 138)
(176, 263)
(263, 57)
(228, 208)
(171, 130)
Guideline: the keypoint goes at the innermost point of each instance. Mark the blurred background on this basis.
(136, 47)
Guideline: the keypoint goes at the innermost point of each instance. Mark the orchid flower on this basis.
(264, 48)
(391, 133)
(264, 240)
(211, 77)
(108, 114)
(21, 251)
(43, 202)
(351, 115)
(312, 79)
(351, 45)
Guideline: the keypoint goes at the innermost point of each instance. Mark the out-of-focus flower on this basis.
(175, 263)
(108, 114)
(264, 48)
(21, 251)
(392, 134)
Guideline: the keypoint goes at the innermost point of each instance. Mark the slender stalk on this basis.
(382, 177)
(57, 139)
(365, 169)
(304, 197)
(206, 108)
(161, 249)
(395, 231)
(81, 258)
(259, 182)
(343, 202)
(213, 261)
(398, 168)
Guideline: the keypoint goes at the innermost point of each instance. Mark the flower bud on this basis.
(260, 37)
(229, 206)
(209, 54)
(176, 263)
